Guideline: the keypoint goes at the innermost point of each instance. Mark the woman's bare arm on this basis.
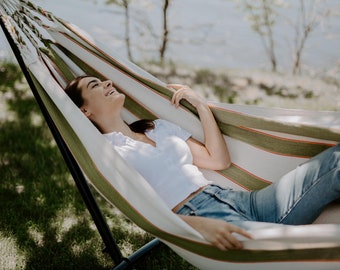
(213, 153)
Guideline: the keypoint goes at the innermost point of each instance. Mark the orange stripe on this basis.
(227, 110)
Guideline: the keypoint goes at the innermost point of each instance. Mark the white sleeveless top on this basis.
(168, 166)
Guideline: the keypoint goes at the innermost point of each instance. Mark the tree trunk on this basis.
(271, 45)
(127, 29)
(164, 44)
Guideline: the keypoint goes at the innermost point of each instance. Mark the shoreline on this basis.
(255, 87)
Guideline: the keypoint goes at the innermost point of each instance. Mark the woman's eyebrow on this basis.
(92, 81)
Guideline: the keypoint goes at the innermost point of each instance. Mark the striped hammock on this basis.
(265, 143)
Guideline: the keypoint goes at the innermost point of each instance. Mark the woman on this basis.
(152, 147)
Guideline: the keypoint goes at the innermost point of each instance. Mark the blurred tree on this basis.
(304, 17)
(126, 5)
(310, 15)
(163, 36)
(165, 39)
(262, 15)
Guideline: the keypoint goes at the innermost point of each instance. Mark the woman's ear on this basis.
(85, 111)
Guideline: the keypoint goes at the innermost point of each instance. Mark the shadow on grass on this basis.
(41, 210)
(36, 191)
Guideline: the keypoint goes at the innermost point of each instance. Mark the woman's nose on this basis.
(107, 83)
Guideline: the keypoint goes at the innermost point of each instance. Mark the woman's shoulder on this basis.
(115, 138)
(164, 124)
(160, 121)
(167, 127)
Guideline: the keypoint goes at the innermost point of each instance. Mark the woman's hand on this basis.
(185, 92)
(218, 232)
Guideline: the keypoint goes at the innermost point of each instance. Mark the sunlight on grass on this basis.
(64, 221)
(20, 189)
(36, 235)
(134, 236)
(4, 113)
(36, 119)
(126, 247)
(11, 256)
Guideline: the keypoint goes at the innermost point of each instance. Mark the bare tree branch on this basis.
(261, 15)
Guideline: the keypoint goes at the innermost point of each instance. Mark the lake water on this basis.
(202, 33)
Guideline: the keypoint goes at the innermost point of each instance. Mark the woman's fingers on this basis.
(242, 232)
(175, 86)
(233, 240)
(176, 98)
(179, 94)
(226, 240)
(184, 92)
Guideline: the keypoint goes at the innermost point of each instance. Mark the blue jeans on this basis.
(297, 198)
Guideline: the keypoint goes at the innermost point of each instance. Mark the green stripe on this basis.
(275, 144)
(244, 178)
(80, 63)
(238, 119)
(59, 62)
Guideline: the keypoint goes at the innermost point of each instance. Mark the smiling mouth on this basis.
(110, 93)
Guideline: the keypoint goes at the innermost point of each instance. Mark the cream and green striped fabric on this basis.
(264, 144)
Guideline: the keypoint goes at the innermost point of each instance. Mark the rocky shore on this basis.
(261, 88)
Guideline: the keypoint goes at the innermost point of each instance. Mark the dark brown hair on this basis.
(74, 92)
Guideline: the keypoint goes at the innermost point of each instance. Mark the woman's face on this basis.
(100, 98)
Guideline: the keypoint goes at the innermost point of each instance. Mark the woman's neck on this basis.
(116, 125)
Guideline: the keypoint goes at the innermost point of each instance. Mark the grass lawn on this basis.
(44, 223)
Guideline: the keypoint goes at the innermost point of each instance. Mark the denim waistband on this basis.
(210, 189)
